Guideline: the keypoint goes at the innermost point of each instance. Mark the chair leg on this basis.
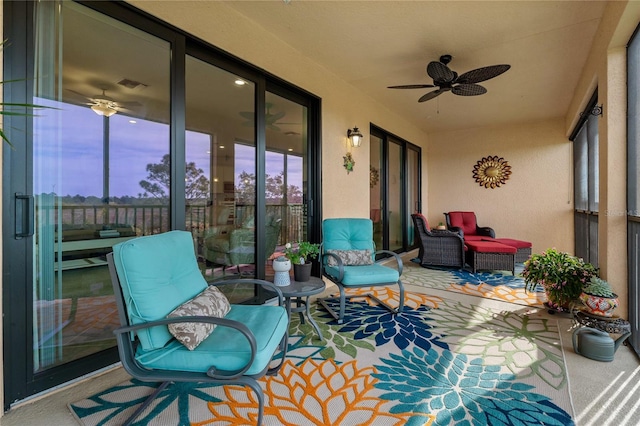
(401, 305)
(145, 404)
(343, 297)
(253, 384)
(284, 346)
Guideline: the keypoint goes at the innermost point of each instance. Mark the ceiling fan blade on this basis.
(78, 93)
(482, 74)
(432, 95)
(468, 90)
(412, 86)
(439, 72)
(275, 117)
(247, 114)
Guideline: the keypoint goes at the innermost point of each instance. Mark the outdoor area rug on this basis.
(440, 362)
(498, 285)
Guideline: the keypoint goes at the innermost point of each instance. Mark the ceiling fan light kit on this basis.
(446, 80)
(104, 109)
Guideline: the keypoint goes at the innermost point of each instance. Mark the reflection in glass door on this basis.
(99, 172)
(395, 188)
(224, 199)
(220, 171)
(413, 191)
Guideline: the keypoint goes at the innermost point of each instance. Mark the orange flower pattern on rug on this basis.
(390, 296)
(313, 393)
(506, 294)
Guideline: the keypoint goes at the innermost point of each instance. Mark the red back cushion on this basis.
(424, 220)
(464, 220)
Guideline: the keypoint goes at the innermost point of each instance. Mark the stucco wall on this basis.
(343, 107)
(535, 204)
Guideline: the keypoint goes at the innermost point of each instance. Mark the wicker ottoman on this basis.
(491, 255)
(523, 247)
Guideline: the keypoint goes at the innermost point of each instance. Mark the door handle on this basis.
(24, 215)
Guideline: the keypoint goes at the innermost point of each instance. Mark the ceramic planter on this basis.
(598, 305)
(281, 267)
(302, 272)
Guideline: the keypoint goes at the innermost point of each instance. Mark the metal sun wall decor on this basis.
(374, 176)
(491, 171)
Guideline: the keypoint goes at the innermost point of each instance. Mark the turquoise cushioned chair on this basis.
(152, 276)
(345, 234)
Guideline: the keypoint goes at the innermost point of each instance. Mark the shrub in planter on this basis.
(560, 274)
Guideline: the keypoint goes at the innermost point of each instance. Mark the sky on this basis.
(68, 152)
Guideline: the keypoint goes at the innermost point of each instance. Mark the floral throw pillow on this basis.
(211, 302)
(350, 257)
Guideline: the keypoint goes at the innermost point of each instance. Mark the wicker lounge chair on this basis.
(438, 248)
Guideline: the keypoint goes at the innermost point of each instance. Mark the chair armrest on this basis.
(394, 254)
(212, 372)
(445, 234)
(486, 231)
(253, 281)
(339, 262)
(218, 230)
(457, 230)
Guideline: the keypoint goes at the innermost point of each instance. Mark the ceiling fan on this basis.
(270, 119)
(447, 80)
(105, 105)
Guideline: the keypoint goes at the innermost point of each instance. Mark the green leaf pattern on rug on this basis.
(344, 342)
(502, 338)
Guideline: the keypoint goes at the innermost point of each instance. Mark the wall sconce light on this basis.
(355, 137)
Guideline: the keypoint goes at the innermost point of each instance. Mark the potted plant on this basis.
(300, 256)
(561, 275)
(441, 226)
(598, 297)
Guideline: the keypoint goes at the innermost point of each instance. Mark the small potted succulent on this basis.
(441, 227)
(598, 297)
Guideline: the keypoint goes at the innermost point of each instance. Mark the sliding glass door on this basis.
(394, 190)
(145, 131)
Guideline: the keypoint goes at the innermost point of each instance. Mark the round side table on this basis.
(299, 293)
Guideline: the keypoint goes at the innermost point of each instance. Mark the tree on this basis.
(159, 179)
(274, 190)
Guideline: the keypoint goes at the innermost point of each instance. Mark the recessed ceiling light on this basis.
(132, 121)
(215, 179)
(240, 82)
(290, 149)
(221, 146)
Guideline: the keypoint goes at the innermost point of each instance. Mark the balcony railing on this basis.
(154, 218)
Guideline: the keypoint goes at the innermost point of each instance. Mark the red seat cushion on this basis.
(514, 243)
(476, 238)
(464, 220)
(490, 247)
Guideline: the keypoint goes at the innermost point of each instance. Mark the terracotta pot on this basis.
(598, 305)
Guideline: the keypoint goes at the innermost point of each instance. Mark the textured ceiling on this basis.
(375, 44)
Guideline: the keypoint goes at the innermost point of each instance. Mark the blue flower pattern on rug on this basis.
(462, 391)
(364, 321)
